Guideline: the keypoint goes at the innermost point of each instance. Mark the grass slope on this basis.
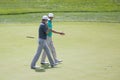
(26, 6)
(90, 51)
(73, 16)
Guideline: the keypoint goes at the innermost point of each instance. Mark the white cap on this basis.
(50, 15)
(45, 17)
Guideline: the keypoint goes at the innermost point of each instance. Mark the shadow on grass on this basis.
(40, 70)
(43, 68)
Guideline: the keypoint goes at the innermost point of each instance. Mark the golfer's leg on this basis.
(48, 54)
(52, 48)
(49, 42)
(43, 57)
(44, 54)
(37, 55)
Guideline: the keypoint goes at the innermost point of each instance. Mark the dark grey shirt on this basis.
(42, 31)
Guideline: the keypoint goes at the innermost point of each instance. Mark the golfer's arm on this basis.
(56, 32)
(50, 30)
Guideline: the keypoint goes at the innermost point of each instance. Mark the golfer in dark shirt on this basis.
(43, 30)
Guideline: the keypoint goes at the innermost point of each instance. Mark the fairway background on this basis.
(31, 11)
(89, 50)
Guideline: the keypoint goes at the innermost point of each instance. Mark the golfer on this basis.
(50, 42)
(43, 30)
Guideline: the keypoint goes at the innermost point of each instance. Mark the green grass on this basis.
(31, 11)
(73, 16)
(89, 50)
(26, 6)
